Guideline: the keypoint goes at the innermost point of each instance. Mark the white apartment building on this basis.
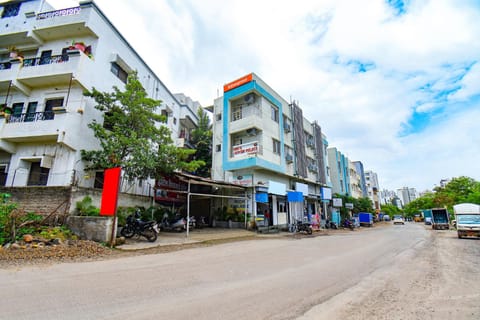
(263, 142)
(373, 189)
(355, 181)
(407, 195)
(47, 59)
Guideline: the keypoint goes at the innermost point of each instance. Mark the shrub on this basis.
(86, 208)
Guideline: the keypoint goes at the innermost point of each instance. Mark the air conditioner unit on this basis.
(289, 158)
(310, 143)
(312, 167)
(252, 132)
(249, 98)
(287, 127)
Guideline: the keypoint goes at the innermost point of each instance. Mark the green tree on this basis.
(391, 209)
(359, 205)
(363, 205)
(424, 202)
(132, 135)
(202, 141)
(458, 190)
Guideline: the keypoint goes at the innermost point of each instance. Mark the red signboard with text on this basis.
(238, 82)
(111, 186)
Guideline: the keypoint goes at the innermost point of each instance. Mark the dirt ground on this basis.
(437, 280)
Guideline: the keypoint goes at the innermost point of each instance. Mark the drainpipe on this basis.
(69, 88)
(8, 92)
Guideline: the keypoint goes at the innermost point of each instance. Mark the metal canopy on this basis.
(191, 179)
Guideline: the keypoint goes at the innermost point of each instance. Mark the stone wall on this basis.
(41, 200)
(91, 228)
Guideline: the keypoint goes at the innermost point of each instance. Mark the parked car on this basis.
(386, 218)
(398, 220)
(428, 220)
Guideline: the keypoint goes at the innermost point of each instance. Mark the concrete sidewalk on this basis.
(180, 238)
(210, 234)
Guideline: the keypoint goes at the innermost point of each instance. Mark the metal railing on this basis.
(5, 65)
(31, 62)
(31, 117)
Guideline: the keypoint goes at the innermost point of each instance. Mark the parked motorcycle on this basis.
(192, 222)
(348, 224)
(201, 223)
(176, 224)
(136, 226)
(301, 226)
(330, 225)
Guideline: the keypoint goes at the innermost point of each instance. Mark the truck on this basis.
(427, 216)
(467, 217)
(366, 219)
(440, 218)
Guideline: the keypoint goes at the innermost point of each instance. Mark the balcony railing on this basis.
(45, 60)
(5, 65)
(59, 13)
(31, 117)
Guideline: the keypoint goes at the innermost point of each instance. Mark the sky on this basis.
(394, 84)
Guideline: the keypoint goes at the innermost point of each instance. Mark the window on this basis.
(49, 105)
(31, 111)
(119, 72)
(98, 180)
(276, 146)
(164, 113)
(45, 57)
(274, 111)
(218, 148)
(3, 174)
(174, 120)
(11, 10)
(236, 113)
(38, 176)
(218, 116)
(286, 124)
(17, 109)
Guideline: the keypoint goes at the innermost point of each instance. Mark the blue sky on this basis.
(394, 84)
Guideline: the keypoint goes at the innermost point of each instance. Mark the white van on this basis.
(467, 216)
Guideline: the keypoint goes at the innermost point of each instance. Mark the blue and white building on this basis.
(264, 142)
(339, 171)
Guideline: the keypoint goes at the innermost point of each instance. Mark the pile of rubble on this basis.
(32, 250)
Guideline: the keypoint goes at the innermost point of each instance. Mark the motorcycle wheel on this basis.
(127, 232)
(309, 231)
(150, 234)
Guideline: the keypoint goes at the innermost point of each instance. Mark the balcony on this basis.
(33, 127)
(245, 117)
(65, 23)
(54, 70)
(31, 117)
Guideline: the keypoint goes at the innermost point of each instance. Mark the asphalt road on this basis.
(392, 272)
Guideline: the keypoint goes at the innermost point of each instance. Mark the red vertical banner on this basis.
(111, 186)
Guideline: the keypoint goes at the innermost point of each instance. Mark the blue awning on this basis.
(261, 197)
(295, 196)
